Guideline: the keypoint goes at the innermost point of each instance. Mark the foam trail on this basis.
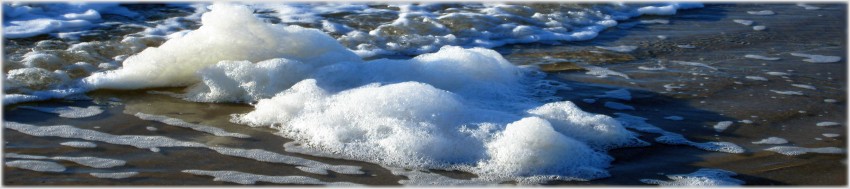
(94, 162)
(248, 178)
(69, 111)
(794, 150)
(180, 123)
(115, 175)
(701, 178)
(149, 142)
(35, 165)
(640, 124)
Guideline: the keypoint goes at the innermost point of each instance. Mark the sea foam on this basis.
(458, 108)
(228, 33)
(701, 178)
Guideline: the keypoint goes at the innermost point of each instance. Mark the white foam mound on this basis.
(69, 111)
(229, 32)
(248, 178)
(415, 125)
(701, 178)
(532, 147)
(771, 140)
(243, 81)
(442, 112)
(35, 165)
(794, 150)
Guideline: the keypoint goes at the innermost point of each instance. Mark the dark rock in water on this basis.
(561, 67)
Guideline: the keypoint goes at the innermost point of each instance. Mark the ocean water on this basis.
(420, 94)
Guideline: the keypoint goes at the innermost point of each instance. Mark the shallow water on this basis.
(703, 94)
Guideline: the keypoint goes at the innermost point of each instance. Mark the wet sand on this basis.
(702, 102)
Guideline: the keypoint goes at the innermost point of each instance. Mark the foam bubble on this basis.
(69, 111)
(831, 135)
(794, 150)
(701, 178)
(771, 140)
(759, 28)
(35, 165)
